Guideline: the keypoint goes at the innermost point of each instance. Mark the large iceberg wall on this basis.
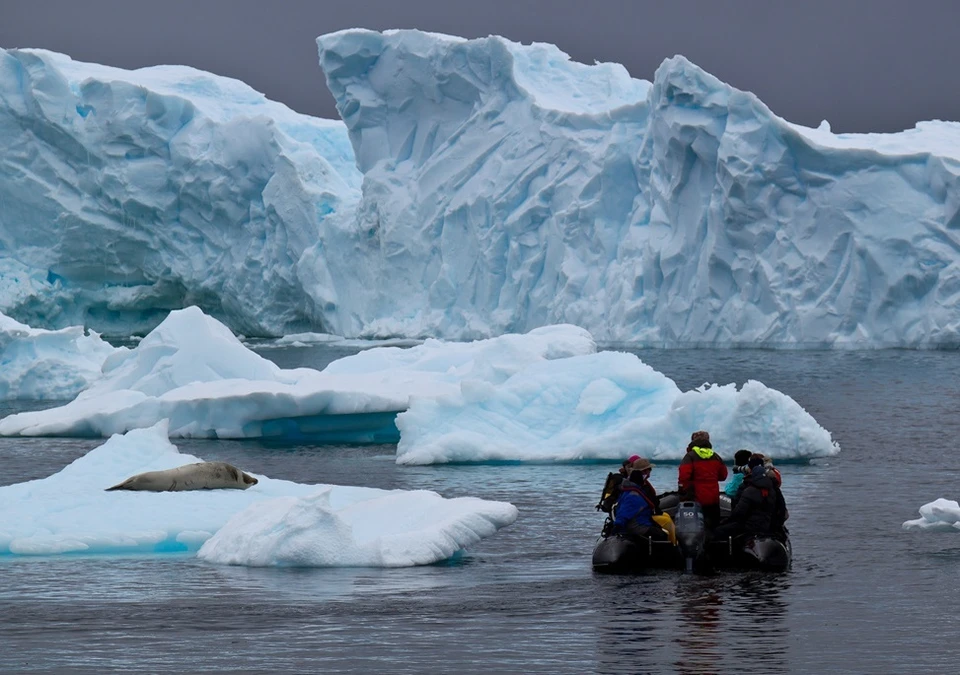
(506, 187)
(124, 194)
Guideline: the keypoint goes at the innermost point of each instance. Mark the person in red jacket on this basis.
(701, 472)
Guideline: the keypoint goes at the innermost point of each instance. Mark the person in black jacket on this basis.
(755, 507)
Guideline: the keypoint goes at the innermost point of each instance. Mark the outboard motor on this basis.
(691, 532)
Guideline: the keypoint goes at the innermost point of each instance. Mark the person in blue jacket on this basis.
(634, 511)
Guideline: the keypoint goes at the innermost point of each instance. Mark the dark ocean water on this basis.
(863, 596)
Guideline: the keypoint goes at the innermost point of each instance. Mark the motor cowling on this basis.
(691, 530)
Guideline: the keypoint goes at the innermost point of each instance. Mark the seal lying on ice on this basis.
(200, 476)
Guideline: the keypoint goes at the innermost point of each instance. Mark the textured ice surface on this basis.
(506, 187)
(365, 528)
(608, 405)
(192, 371)
(543, 396)
(309, 525)
(42, 364)
(129, 193)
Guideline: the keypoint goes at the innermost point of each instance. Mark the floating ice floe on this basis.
(544, 396)
(388, 529)
(607, 405)
(942, 515)
(275, 522)
(48, 364)
(194, 372)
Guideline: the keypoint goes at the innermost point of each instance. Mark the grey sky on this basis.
(872, 65)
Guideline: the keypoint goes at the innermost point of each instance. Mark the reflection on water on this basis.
(699, 636)
(758, 604)
(729, 622)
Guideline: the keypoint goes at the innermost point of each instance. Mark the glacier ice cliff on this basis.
(124, 194)
(474, 188)
(507, 187)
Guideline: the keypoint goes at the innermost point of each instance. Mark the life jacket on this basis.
(666, 524)
(632, 496)
(633, 487)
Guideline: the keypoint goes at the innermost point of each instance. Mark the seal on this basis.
(199, 476)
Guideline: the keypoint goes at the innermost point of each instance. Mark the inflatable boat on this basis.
(689, 546)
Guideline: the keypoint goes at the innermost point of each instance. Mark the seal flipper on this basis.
(125, 485)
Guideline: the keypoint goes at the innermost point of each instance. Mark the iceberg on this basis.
(40, 364)
(473, 188)
(192, 371)
(608, 405)
(130, 193)
(506, 187)
(309, 525)
(941, 515)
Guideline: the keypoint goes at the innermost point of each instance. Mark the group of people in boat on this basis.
(757, 504)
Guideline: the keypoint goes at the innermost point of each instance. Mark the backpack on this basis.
(610, 493)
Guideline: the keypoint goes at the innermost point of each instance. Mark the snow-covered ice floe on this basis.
(193, 371)
(386, 529)
(942, 515)
(544, 396)
(42, 364)
(607, 405)
(275, 522)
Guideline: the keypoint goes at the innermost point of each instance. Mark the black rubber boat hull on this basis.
(694, 550)
(618, 555)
